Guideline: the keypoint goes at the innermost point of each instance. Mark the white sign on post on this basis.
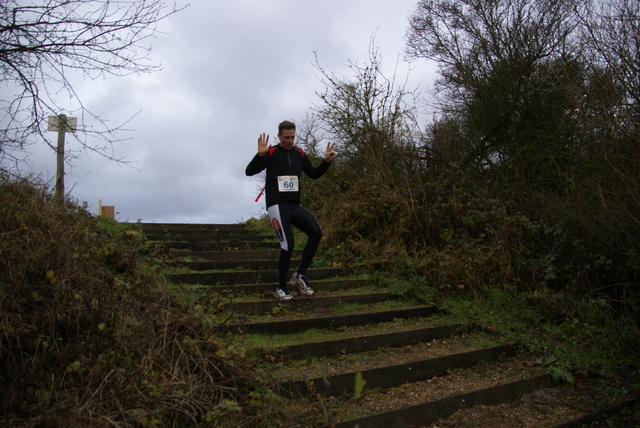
(53, 124)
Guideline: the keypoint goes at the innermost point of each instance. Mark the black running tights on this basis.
(282, 217)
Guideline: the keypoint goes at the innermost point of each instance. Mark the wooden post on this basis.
(62, 129)
(61, 124)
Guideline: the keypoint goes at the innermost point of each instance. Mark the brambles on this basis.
(90, 333)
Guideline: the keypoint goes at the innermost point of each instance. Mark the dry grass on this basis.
(90, 334)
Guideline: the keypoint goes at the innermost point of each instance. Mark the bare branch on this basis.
(44, 43)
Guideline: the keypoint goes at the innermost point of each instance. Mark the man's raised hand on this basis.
(263, 144)
(329, 154)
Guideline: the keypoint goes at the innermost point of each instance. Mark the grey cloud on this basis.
(231, 70)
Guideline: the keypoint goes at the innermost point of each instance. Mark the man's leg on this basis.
(280, 217)
(304, 220)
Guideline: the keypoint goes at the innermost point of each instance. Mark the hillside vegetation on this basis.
(527, 176)
(90, 332)
(93, 335)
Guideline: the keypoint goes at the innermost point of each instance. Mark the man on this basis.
(285, 164)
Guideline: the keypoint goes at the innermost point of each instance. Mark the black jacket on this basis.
(279, 163)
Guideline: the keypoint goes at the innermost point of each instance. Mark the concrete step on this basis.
(244, 277)
(197, 238)
(304, 303)
(231, 245)
(170, 228)
(428, 413)
(232, 264)
(364, 343)
(266, 290)
(332, 322)
(394, 375)
(234, 255)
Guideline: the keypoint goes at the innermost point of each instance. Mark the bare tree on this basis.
(540, 105)
(611, 114)
(45, 42)
(369, 114)
(502, 68)
(612, 30)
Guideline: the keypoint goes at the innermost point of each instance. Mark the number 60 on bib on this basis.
(288, 183)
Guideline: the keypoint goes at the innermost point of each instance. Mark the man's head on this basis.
(286, 134)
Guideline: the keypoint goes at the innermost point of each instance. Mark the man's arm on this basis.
(318, 171)
(257, 164)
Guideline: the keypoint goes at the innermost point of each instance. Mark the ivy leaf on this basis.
(359, 386)
(51, 276)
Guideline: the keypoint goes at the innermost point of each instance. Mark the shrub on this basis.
(90, 333)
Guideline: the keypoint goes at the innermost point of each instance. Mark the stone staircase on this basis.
(355, 356)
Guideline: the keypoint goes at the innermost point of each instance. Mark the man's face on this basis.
(286, 138)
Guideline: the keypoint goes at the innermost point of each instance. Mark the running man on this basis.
(285, 163)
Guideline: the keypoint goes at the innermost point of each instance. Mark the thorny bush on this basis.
(91, 335)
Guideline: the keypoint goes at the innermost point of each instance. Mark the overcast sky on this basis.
(230, 71)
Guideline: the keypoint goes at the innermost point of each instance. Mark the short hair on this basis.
(286, 124)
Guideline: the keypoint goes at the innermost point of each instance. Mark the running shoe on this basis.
(301, 282)
(283, 294)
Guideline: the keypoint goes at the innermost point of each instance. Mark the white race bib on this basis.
(288, 183)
